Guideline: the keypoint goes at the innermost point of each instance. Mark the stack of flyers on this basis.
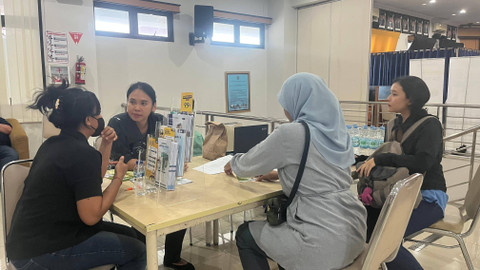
(185, 122)
(180, 138)
(151, 158)
(162, 161)
(167, 163)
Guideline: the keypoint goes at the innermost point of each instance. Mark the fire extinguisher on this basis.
(80, 71)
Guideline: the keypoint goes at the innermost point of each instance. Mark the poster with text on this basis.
(237, 91)
(57, 47)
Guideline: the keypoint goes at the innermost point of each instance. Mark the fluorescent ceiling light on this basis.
(432, 1)
(463, 11)
(424, 4)
(453, 14)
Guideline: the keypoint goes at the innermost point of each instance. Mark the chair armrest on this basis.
(19, 139)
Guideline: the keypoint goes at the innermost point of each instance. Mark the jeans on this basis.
(115, 244)
(251, 255)
(422, 217)
(7, 154)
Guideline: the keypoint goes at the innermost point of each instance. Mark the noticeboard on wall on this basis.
(237, 91)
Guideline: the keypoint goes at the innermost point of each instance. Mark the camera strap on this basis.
(302, 164)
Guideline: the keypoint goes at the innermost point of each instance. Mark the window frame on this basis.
(236, 34)
(133, 22)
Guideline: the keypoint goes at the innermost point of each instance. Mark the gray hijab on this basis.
(307, 98)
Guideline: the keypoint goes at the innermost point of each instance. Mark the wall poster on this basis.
(237, 91)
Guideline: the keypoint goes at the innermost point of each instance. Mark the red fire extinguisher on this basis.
(80, 71)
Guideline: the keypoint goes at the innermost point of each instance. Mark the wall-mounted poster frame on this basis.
(413, 25)
(58, 73)
(405, 24)
(382, 19)
(237, 91)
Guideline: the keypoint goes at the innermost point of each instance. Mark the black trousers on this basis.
(173, 241)
(251, 255)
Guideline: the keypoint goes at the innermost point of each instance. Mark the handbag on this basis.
(215, 143)
(383, 178)
(276, 208)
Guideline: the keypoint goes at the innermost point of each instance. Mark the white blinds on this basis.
(20, 60)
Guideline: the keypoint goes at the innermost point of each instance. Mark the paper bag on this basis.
(216, 140)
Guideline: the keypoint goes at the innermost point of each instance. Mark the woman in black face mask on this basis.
(57, 223)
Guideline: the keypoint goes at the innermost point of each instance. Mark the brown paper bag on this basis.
(216, 140)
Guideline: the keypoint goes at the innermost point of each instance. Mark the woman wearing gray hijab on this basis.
(325, 227)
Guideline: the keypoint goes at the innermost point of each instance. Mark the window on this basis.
(111, 20)
(223, 32)
(238, 33)
(132, 22)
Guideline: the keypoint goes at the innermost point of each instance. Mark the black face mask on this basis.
(100, 127)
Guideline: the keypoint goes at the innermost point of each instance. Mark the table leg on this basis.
(208, 233)
(152, 256)
(215, 232)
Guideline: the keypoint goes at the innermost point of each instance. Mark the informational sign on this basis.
(187, 102)
(76, 36)
(59, 73)
(237, 87)
(57, 47)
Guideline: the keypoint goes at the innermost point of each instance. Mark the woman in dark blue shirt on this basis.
(132, 128)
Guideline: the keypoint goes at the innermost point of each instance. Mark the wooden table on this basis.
(208, 198)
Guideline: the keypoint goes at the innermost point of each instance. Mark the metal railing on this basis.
(371, 113)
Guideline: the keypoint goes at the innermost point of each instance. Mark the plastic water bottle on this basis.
(364, 140)
(373, 138)
(381, 135)
(139, 178)
(355, 138)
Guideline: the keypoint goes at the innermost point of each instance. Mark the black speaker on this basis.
(203, 17)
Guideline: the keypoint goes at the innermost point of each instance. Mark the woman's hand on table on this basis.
(270, 177)
(120, 169)
(228, 169)
(365, 169)
(108, 135)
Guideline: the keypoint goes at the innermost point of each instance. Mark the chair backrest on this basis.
(472, 199)
(393, 220)
(13, 177)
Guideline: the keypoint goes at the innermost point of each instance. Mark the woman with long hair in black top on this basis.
(57, 223)
(423, 151)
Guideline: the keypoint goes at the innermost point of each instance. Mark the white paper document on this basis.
(214, 166)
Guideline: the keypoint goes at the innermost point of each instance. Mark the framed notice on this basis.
(237, 91)
(382, 19)
(59, 73)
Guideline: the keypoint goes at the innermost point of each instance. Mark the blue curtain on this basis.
(385, 67)
(468, 52)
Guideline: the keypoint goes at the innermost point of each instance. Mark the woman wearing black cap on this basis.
(422, 154)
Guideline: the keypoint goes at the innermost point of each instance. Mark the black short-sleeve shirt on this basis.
(4, 138)
(65, 170)
(130, 139)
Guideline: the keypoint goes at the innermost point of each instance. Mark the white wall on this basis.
(175, 67)
(281, 52)
(74, 16)
(334, 42)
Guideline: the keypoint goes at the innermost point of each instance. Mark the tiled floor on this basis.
(225, 256)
